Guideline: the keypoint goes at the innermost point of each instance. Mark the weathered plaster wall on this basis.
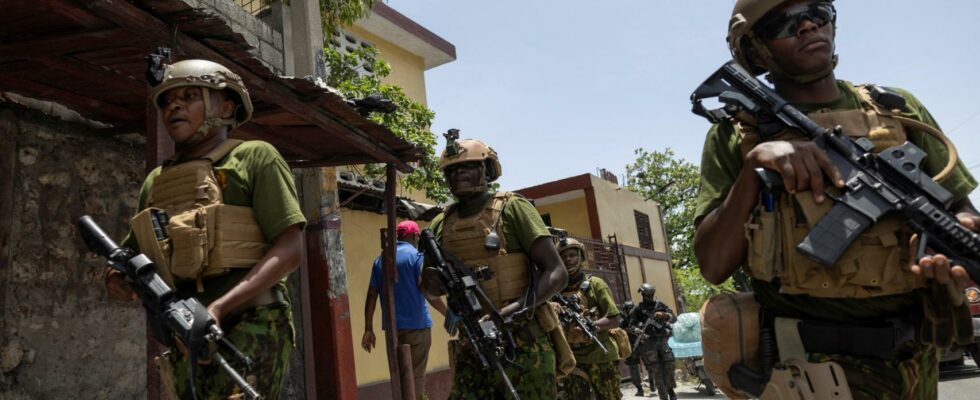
(60, 336)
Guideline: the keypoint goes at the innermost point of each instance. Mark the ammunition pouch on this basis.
(876, 264)
(730, 326)
(622, 340)
(503, 278)
(547, 320)
(204, 242)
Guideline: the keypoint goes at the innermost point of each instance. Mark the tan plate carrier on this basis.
(205, 237)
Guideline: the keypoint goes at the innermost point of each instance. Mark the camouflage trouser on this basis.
(659, 360)
(533, 375)
(601, 380)
(265, 334)
(912, 374)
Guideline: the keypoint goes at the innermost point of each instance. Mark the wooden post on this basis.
(389, 276)
(327, 336)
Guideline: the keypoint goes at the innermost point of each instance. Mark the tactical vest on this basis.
(504, 276)
(876, 264)
(202, 236)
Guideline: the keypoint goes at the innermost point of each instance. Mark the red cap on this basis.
(406, 228)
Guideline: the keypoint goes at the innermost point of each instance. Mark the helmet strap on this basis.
(212, 119)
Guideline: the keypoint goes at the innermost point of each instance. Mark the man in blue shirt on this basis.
(412, 319)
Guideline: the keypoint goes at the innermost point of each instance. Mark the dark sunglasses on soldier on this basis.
(785, 24)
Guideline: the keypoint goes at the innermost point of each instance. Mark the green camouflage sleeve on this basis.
(522, 224)
(603, 298)
(721, 163)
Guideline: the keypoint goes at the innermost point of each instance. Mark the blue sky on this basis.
(563, 88)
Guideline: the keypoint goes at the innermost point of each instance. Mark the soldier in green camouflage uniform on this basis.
(596, 373)
(794, 42)
(464, 230)
(199, 102)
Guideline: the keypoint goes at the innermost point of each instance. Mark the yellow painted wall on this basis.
(361, 246)
(407, 69)
(615, 206)
(570, 215)
(657, 273)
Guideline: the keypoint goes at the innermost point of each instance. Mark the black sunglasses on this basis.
(786, 23)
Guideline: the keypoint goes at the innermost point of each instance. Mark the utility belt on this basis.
(876, 339)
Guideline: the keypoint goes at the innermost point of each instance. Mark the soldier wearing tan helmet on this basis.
(596, 373)
(232, 230)
(502, 235)
(874, 297)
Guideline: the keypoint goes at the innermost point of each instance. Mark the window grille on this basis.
(643, 230)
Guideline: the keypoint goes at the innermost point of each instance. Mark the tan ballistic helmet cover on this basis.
(473, 150)
(207, 74)
(573, 244)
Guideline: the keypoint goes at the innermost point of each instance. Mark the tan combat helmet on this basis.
(570, 243)
(209, 76)
(466, 150)
(741, 39)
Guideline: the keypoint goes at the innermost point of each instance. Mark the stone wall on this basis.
(59, 335)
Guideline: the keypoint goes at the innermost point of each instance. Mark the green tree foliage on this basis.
(673, 183)
(359, 73)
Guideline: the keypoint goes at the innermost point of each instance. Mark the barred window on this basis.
(643, 230)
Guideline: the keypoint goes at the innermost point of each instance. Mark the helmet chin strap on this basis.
(212, 119)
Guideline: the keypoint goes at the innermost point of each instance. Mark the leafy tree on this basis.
(673, 183)
(357, 74)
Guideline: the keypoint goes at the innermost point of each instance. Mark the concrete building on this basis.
(600, 211)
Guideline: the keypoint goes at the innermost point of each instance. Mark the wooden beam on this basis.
(72, 12)
(85, 105)
(87, 72)
(64, 43)
(150, 27)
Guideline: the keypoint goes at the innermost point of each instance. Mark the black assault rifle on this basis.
(876, 184)
(571, 312)
(645, 331)
(487, 337)
(170, 318)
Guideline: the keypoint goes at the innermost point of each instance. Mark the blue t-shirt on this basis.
(411, 309)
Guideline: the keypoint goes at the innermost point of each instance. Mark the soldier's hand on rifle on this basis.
(661, 315)
(116, 286)
(802, 165)
(938, 266)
